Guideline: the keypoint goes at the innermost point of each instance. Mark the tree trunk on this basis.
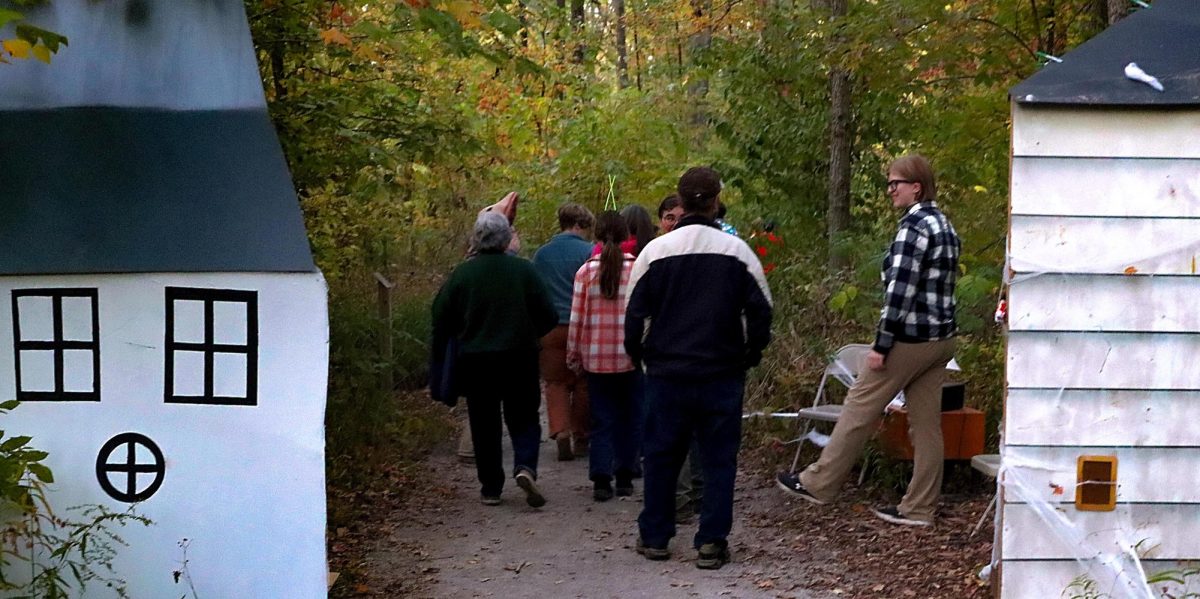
(577, 27)
(618, 7)
(697, 89)
(837, 216)
(1117, 10)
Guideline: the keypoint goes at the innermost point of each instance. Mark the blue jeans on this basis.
(680, 409)
(616, 404)
(507, 382)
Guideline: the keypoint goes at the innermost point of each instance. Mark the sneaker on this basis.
(893, 515)
(657, 554)
(624, 486)
(564, 447)
(533, 496)
(489, 499)
(602, 490)
(712, 556)
(791, 483)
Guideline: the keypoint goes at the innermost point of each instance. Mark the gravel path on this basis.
(447, 544)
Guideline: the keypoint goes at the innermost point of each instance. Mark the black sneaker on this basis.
(893, 515)
(657, 554)
(791, 483)
(602, 490)
(624, 486)
(489, 499)
(533, 496)
(712, 556)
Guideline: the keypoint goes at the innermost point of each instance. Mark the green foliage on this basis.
(63, 554)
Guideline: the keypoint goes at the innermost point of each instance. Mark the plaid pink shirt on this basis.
(596, 338)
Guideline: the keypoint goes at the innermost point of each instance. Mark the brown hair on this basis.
(572, 215)
(668, 204)
(638, 222)
(916, 168)
(699, 188)
(611, 231)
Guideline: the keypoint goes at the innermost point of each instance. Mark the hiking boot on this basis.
(657, 554)
(893, 515)
(624, 486)
(602, 490)
(712, 556)
(533, 496)
(489, 499)
(791, 483)
(564, 447)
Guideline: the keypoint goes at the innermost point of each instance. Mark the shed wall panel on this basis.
(1103, 361)
(1104, 245)
(1118, 133)
(1106, 187)
(1169, 531)
(1098, 417)
(1144, 474)
(1051, 578)
(1055, 302)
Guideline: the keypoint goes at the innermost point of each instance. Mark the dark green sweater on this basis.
(494, 302)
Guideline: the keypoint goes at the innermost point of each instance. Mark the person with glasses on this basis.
(914, 341)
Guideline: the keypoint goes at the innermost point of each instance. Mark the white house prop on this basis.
(161, 318)
(1103, 326)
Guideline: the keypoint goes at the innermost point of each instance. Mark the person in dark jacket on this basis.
(496, 307)
(699, 316)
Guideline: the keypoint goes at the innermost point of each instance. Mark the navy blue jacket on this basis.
(699, 305)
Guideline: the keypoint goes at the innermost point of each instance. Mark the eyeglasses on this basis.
(894, 183)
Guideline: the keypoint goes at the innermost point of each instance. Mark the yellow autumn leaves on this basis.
(21, 49)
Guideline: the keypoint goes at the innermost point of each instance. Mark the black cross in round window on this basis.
(122, 476)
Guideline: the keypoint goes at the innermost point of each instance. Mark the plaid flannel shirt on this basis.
(918, 276)
(596, 337)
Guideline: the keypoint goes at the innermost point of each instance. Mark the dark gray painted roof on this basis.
(108, 190)
(1163, 40)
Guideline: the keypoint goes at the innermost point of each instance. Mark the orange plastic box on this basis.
(962, 434)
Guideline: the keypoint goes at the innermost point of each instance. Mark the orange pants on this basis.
(565, 391)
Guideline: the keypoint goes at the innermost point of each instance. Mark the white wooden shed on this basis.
(161, 317)
(1104, 304)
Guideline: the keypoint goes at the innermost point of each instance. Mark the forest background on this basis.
(400, 120)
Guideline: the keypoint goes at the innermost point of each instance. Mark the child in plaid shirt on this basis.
(595, 345)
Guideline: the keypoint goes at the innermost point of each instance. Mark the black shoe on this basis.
(533, 496)
(893, 515)
(602, 490)
(791, 483)
(489, 499)
(712, 556)
(657, 554)
(624, 486)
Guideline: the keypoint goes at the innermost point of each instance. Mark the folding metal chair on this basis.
(847, 362)
(989, 465)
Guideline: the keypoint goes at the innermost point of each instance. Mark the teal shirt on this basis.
(557, 262)
(494, 302)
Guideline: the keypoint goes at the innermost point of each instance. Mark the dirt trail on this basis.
(447, 544)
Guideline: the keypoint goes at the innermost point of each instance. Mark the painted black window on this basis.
(56, 337)
(211, 346)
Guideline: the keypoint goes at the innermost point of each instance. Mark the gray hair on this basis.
(492, 233)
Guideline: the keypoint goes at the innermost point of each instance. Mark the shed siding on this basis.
(1106, 187)
(1105, 133)
(1166, 531)
(1098, 417)
(1105, 303)
(1102, 346)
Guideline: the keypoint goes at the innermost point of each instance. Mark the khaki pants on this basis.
(918, 369)
(566, 392)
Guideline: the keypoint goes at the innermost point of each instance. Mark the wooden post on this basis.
(384, 301)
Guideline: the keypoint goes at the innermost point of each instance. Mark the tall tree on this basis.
(618, 7)
(837, 216)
